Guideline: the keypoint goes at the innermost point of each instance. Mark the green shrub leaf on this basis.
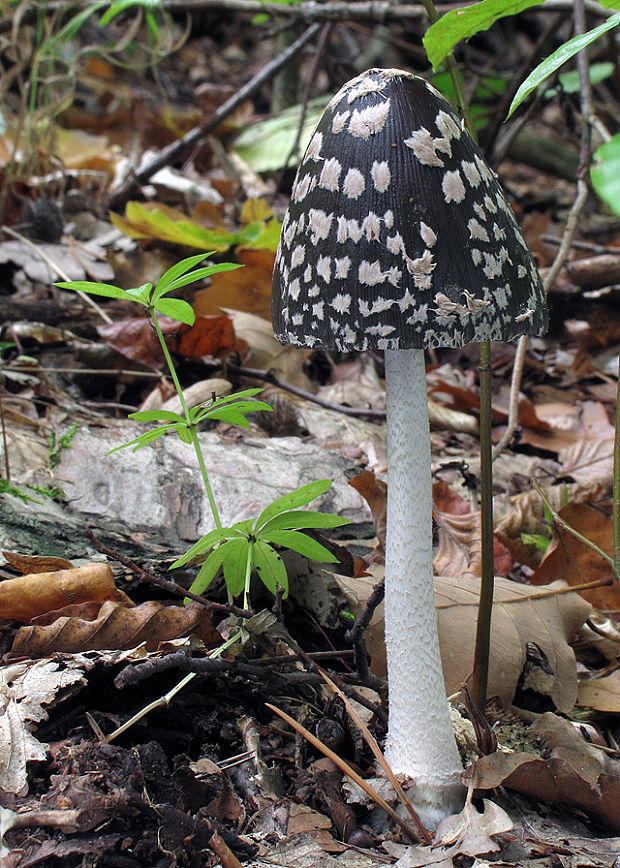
(606, 173)
(301, 519)
(443, 35)
(559, 57)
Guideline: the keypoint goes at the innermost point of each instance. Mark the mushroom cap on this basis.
(398, 235)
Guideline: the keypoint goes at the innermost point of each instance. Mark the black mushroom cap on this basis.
(398, 234)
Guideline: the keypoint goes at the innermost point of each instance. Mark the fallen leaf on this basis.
(603, 694)
(568, 779)
(117, 627)
(28, 596)
(526, 515)
(247, 289)
(36, 563)
(28, 689)
(519, 617)
(573, 561)
(135, 339)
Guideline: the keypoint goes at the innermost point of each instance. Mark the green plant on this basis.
(55, 446)
(249, 544)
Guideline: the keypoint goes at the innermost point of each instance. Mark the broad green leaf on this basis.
(610, 4)
(207, 572)
(156, 416)
(606, 173)
(177, 309)
(144, 439)
(267, 145)
(559, 57)
(204, 544)
(443, 35)
(301, 543)
(301, 519)
(235, 563)
(270, 567)
(292, 500)
(168, 225)
(597, 72)
(105, 289)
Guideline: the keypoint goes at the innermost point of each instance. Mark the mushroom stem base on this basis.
(420, 742)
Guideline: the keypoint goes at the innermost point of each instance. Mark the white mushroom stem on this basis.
(420, 742)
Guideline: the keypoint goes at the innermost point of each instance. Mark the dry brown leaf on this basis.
(590, 457)
(265, 352)
(135, 339)
(374, 492)
(569, 778)
(36, 563)
(526, 516)
(603, 694)
(247, 289)
(35, 594)
(574, 562)
(517, 619)
(117, 627)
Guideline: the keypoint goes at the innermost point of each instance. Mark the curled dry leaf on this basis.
(247, 289)
(36, 563)
(519, 617)
(118, 627)
(572, 775)
(526, 516)
(38, 593)
(573, 561)
(135, 339)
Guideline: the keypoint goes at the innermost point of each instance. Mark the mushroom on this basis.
(399, 237)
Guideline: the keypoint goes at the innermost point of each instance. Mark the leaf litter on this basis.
(213, 778)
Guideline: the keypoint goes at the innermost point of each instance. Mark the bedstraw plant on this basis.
(251, 544)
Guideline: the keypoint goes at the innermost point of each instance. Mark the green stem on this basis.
(487, 578)
(616, 491)
(248, 574)
(191, 428)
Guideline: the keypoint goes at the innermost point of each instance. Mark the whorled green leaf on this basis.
(235, 561)
(177, 309)
(293, 520)
(292, 500)
(234, 414)
(208, 571)
(156, 416)
(443, 35)
(204, 545)
(144, 439)
(559, 57)
(201, 273)
(270, 567)
(301, 543)
(104, 289)
(177, 270)
(606, 173)
(141, 293)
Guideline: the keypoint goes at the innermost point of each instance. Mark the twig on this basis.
(356, 634)
(270, 377)
(165, 584)
(173, 151)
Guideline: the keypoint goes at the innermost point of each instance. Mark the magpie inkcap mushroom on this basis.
(398, 237)
(398, 234)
